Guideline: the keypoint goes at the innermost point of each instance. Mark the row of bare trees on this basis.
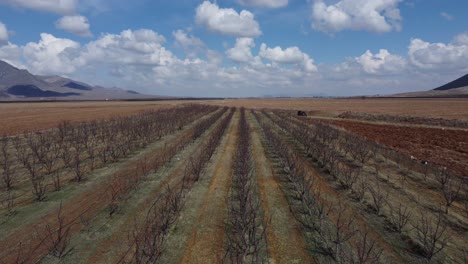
(244, 228)
(333, 148)
(330, 224)
(427, 231)
(56, 236)
(47, 157)
(122, 183)
(147, 239)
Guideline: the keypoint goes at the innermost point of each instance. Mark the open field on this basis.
(17, 117)
(445, 108)
(171, 182)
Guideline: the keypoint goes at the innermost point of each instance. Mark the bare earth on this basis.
(445, 108)
(19, 117)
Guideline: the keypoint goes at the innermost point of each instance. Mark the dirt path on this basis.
(206, 241)
(110, 248)
(285, 242)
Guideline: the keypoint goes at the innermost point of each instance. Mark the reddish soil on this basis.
(206, 243)
(435, 107)
(445, 147)
(19, 117)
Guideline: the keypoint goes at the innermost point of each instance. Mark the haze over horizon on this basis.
(237, 48)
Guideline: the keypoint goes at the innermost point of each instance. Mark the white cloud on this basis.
(52, 55)
(461, 39)
(290, 55)
(11, 53)
(264, 3)
(440, 56)
(374, 16)
(446, 16)
(227, 21)
(77, 25)
(141, 46)
(3, 33)
(382, 62)
(189, 43)
(242, 51)
(54, 6)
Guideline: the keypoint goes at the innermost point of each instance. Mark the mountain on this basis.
(454, 89)
(460, 82)
(17, 84)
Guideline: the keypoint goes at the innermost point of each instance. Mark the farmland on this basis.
(235, 181)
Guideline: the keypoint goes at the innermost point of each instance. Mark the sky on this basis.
(241, 48)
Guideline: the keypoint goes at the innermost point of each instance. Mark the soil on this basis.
(441, 146)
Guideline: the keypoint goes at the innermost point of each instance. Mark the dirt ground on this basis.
(445, 147)
(19, 117)
(445, 108)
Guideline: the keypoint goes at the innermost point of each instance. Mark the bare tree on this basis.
(348, 176)
(344, 230)
(77, 166)
(399, 217)
(9, 203)
(431, 235)
(379, 196)
(367, 249)
(6, 163)
(451, 190)
(360, 187)
(58, 235)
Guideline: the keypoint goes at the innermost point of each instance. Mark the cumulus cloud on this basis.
(11, 53)
(382, 62)
(54, 6)
(374, 16)
(290, 55)
(190, 44)
(242, 51)
(141, 46)
(227, 21)
(77, 25)
(264, 3)
(52, 55)
(461, 39)
(3, 33)
(440, 55)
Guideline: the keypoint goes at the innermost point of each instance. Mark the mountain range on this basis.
(18, 84)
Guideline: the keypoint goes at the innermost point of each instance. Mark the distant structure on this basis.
(301, 113)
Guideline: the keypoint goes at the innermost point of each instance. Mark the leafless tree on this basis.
(9, 203)
(399, 217)
(379, 196)
(344, 230)
(431, 235)
(6, 163)
(360, 187)
(451, 190)
(367, 249)
(58, 235)
(77, 166)
(348, 176)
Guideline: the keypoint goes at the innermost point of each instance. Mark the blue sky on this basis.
(241, 48)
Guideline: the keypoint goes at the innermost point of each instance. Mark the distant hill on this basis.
(453, 89)
(17, 84)
(460, 82)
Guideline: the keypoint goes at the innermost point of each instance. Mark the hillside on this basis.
(460, 82)
(18, 84)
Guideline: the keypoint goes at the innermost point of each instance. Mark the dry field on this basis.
(445, 108)
(18, 117)
(171, 182)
